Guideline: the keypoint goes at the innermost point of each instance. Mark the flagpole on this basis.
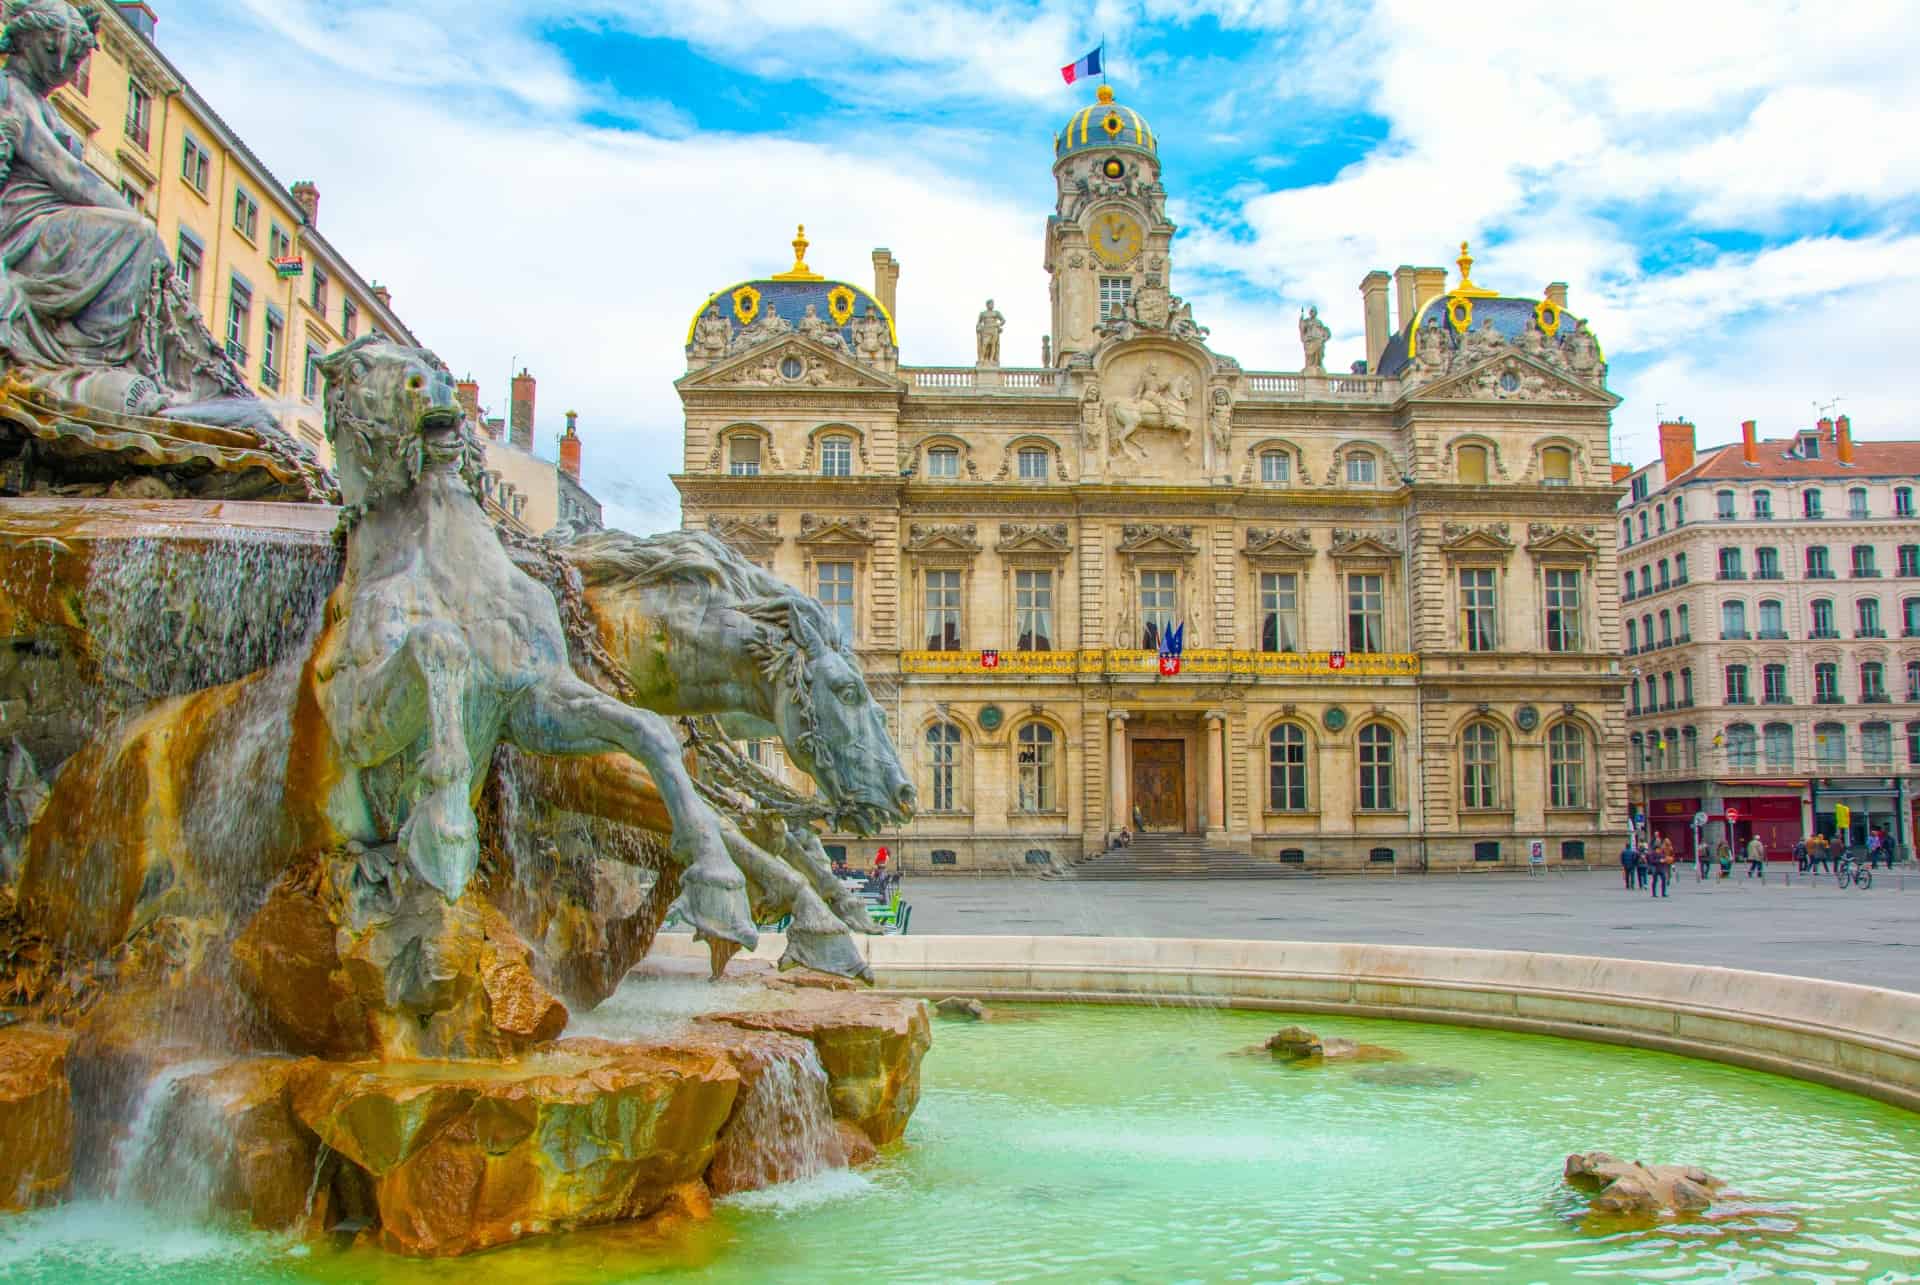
(1103, 57)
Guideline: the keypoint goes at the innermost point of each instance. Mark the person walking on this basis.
(1756, 859)
(1724, 853)
(1662, 870)
(1817, 851)
(1629, 863)
(1800, 855)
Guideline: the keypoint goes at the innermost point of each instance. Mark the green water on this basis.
(1126, 1144)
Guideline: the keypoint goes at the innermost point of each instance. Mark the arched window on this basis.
(1733, 620)
(1740, 745)
(1360, 469)
(943, 767)
(1567, 766)
(1679, 568)
(943, 461)
(1773, 618)
(1626, 531)
(1778, 738)
(1903, 501)
(1037, 769)
(1033, 464)
(836, 456)
(1276, 468)
(1376, 768)
(1679, 510)
(1470, 465)
(1480, 766)
(1822, 609)
(1643, 524)
(1287, 768)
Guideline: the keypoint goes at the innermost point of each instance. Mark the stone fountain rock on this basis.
(1637, 1190)
(302, 892)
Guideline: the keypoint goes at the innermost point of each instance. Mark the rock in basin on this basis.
(1298, 1044)
(36, 1116)
(1641, 1190)
(464, 1156)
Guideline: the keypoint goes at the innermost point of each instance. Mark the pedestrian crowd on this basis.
(1647, 864)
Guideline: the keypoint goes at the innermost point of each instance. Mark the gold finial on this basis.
(1466, 289)
(1104, 93)
(799, 271)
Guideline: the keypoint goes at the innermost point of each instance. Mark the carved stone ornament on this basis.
(1033, 537)
(1570, 349)
(818, 528)
(1136, 537)
(1582, 539)
(1453, 533)
(1349, 541)
(1271, 541)
(750, 533)
(772, 451)
(924, 537)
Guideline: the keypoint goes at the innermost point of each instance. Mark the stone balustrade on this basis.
(1197, 661)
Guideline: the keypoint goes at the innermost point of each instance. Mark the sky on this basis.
(1730, 189)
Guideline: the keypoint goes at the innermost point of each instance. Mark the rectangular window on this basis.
(349, 319)
(1158, 599)
(1857, 503)
(1366, 613)
(943, 611)
(139, 114)
(1360, 471)
(1876, 744)
(1913, 744)
(835, 592)
(1033, 610)
(189, 261)
(1902, 502)
(134, 195)
(1279, 611)
(1033, 464)
(1773, 620)
(1730, 565)
(310, 378)
(1910, 559)
(1766, 564)
(943, 461)
(1869, 609)
(1773, 684)
(273, 340)
(743, 455)
(1737, 691)
(318, 299)
(1810, 504)
(279, 244)
(1724, 506)
(1873, 682)
(246, 214)
(1114, 293)
(1276, 468)
(239, 320)
(1826, 683)
(196, 165)
(1823, 620)
(1863, 563)
(1817, 566)
(1477, 610)
(836, 456)
(1763, 505)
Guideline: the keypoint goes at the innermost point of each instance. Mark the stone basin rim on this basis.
(1863, 1039)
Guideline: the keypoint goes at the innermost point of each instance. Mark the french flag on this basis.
(1088, 66)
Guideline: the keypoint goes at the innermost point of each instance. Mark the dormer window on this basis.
(1810, 446)
(943, 461)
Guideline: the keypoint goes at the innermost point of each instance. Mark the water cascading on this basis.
(783, 1128)
(164, 1159)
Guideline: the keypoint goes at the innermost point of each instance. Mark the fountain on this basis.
(327, 804)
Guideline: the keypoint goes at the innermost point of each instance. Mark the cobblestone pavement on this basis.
(1803, 925)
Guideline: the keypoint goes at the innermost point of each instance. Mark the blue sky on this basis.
(1730, 189)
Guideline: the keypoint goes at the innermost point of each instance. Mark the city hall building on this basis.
(1396, 586)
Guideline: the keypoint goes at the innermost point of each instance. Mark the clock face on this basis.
(1116, 238)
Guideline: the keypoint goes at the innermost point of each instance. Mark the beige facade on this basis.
(1771, 594)
(1397, 588)
(269, 285)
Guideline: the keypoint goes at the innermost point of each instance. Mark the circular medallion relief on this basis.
(1334, 719)
(991, 718)
(1526, 718)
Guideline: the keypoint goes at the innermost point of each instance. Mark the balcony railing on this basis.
(1203, 661)
(1730, 634)
(1870, 633)
(237, 351)
(269, 377)
(139, 131)
(1866, 573)
(1823, 634)
(1732, 574)
(1771, 635)
(1820, 573)
(1768, 573)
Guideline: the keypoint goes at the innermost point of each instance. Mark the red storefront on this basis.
(1673, 819)
(1776, 818)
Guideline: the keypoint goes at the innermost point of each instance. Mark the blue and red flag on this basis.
(1172, 641)
(1087, 66)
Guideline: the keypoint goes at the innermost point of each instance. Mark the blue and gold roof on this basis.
(1105, 124)
(791, 293)
(1464, 307)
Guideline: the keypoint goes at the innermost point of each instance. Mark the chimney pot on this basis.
(1749, 441)
(1826, 428)
(1844, 429)
(886, 281)
(1373, 305)
(1557, 294)
(570, 447)
(520, 410)
(1676, 447)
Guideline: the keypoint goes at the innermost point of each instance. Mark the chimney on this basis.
(1826, 428)
(1621, 472)
(307, 197)
(520, 411)
(1676, 446)
(1749, 442)
(1428, 284)
(886, 277)
(1402, 297)
(467, 393)
(1845, 438)
(1557, 294)
(570, 448)
(383, 295)
(1373, 304)
(495, 427)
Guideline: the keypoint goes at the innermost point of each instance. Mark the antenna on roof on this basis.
(1826, 409)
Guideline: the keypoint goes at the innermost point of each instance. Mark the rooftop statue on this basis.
(90, 307)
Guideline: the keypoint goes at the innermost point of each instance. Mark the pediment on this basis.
(816, 529)
(750, 535)
(1510, 375)
(760, 366)
(1293, 542)
(943, 537)
(1044, 538)
(1458, 538)
(1138, 538)
(1579, 541)
(1364, 544)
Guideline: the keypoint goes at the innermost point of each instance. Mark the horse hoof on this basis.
(719, 953)
(831, 953)
(717, 913)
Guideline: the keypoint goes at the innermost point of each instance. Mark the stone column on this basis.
(1119, 818)
(1216, 773)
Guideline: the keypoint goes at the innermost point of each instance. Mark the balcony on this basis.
(1768, 573)
(238, 352)
(1734, 574)
(1827, 635)
(1772, 635)
(1198, 661)
(138, 131)
(1870, 633)
(1866, 573)
(269, 377)
(1874, 698)
(1776, 699)
(1739, 698)
(1820, 573)
(1730, 635)
(1828, 698)
(1627, 594)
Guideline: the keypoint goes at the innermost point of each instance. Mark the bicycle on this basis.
(1852, 872)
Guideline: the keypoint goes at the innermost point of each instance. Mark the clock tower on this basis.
(1108, 239)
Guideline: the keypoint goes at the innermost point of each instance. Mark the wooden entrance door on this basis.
(1160, 783)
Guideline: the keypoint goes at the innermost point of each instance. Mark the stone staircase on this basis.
(1176, 856)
